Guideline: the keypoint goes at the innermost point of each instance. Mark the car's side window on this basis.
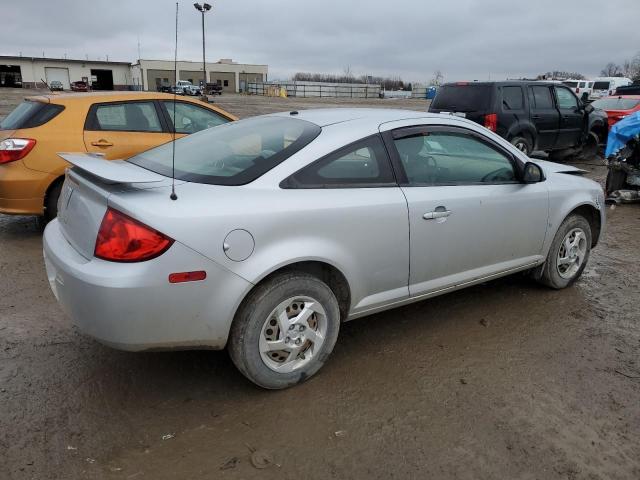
(452, 158)
(566, 99)
(127, 117)
(361, 164)
(512, 98)
(541, 97)
(192, 118)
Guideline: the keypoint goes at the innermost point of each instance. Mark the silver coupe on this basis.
(285, 225)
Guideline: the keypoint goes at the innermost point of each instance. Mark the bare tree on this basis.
(611, 70)
(437, 79)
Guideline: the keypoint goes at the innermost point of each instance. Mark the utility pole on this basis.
(203, 9)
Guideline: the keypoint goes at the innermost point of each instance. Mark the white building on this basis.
(34, 71)
(16, 71)
(232, 76)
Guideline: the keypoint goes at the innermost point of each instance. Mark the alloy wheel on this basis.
(572, 253)
(293, 334)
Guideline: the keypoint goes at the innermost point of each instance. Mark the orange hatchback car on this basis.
(117, 125)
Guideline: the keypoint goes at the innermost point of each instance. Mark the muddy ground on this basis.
(502, 380)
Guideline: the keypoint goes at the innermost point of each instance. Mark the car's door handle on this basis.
(436, 214)
(535, 117)
(102, 143)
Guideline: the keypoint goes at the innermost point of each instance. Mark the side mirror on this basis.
(532, 173)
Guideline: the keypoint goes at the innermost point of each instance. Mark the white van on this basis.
(582, 88)
(605, 86)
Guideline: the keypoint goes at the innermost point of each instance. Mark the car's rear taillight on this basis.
(491, 121)
(13, 149)
(578, 90)
(123, 239)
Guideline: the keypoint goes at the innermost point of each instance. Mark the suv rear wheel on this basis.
(522, 143)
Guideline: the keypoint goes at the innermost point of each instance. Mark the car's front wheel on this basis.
(569, 253)
(285, 330)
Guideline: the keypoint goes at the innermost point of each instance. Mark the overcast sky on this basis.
(465, 39)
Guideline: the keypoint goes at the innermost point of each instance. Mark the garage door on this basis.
(60, 74)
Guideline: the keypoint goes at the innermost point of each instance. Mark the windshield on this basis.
(462, 98)
(601, 86)
(231, 154)
(616, 103)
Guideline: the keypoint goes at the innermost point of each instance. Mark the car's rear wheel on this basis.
(285, 330)
(522, 143)
(51, 202)
(569, 253)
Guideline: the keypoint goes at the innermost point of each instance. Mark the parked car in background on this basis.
(618, 107)
(254, 254)
(633, 89)
(606, 86)
(532, 115)
(166, 89)
(582, 88)
(115, 125)
(213, 89)
(185, 87)
(56, 85)
(79, 87)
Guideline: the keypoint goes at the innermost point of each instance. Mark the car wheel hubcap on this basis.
(572, 253)
(522, 147)
(293, 334)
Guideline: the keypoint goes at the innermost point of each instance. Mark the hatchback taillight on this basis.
(123, 239)
(491, 121)
(13, 149)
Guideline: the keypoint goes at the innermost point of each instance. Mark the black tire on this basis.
(551, 276)
(616, 180)
(256, 309)
(523, 144)
(51, 202)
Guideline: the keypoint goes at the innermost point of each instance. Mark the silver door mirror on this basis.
(532, 173)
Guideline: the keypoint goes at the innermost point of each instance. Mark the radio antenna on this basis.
(173, 195)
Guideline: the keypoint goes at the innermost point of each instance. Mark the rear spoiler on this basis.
(111, 171)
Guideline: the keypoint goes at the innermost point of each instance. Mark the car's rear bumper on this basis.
(132, 306)
(22, 190)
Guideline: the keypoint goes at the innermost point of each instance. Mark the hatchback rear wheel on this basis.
(523, 144)
(285, 330)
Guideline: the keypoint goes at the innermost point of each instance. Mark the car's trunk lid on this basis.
(85, 195)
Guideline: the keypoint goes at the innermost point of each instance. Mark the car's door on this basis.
(122, 129)
(469, 215)
(352, 197)
(572, 118)
(544, 115)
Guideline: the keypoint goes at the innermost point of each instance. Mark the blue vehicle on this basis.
(623, 155)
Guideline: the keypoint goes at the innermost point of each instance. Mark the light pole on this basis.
(204, 8)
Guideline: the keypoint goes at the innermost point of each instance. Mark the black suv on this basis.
(531, 115)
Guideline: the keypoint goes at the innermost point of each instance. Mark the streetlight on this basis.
(204, 8)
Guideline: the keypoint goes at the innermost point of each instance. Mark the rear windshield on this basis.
(462, 98)
(571, 84)
(601, 86)
(231, 154)
(30, 114)
(616, 103)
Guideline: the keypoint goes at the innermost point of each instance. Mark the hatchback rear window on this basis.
(601, 86)
(462, 98)
(571, 84)
(30, 114)
(231, 154)
(616, 103)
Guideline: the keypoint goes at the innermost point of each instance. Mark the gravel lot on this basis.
(502, 380)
